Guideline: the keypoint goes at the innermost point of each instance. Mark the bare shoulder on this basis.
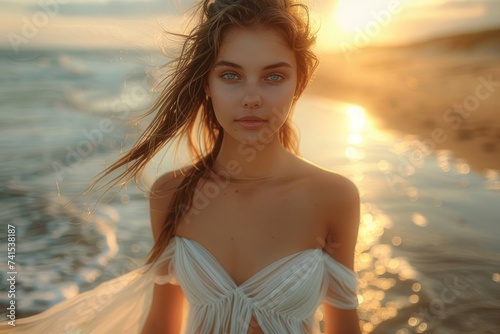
(330, 186)
(161, 194)
(166, 183)
(338, 200)
(337, 188)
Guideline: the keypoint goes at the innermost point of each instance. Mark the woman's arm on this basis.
(166, 313)
(340, 321)
(343, 225)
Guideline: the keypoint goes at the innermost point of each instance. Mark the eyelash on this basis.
(224, 76)
(280, 77)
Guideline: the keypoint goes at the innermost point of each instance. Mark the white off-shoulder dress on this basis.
(282, 297)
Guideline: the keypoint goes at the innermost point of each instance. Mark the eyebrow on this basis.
(231, 64)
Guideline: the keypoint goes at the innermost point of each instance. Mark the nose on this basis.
(252, 99)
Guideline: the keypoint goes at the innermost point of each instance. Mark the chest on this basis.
(246, 228)
(242, 212)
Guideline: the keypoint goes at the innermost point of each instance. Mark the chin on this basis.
(255, 139)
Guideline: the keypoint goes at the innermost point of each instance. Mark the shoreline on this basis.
(423, 93)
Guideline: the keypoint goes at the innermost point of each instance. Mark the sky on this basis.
(138, 23)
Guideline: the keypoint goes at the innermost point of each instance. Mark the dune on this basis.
(445, 91)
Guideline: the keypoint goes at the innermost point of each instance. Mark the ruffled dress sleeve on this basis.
(120, 305)
(341, 284)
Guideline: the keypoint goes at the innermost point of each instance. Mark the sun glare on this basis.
(361, 22)
(350, 15)
(357, 117)
(346, 19)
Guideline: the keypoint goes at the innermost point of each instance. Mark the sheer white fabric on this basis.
(282, 297)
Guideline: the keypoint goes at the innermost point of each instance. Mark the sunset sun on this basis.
(350, 15)
(357, 23)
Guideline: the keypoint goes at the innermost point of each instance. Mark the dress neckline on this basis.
(252, 277)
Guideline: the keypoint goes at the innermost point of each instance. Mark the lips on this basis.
(251, 122)
(251, 119)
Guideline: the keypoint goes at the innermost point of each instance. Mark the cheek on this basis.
(282, 100)
(223, 109)
(222, 95)
(280, 114)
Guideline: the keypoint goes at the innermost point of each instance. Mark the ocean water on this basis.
(428, 254)
(428, 248)
(64, 116)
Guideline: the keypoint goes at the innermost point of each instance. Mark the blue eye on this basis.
(275, 77)
(229, 76)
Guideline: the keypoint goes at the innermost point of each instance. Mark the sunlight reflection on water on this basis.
(414, 219)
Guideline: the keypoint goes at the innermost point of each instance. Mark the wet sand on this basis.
(445, 91)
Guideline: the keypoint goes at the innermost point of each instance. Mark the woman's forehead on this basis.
(255, 46)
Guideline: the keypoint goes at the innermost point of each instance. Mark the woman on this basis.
(254, 237)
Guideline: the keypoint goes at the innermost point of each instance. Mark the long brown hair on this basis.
(183, 108)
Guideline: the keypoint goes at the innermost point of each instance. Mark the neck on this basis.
(244, 162)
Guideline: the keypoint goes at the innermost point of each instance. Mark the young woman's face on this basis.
(252, 84)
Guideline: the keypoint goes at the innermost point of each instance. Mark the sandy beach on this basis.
(445, 92)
